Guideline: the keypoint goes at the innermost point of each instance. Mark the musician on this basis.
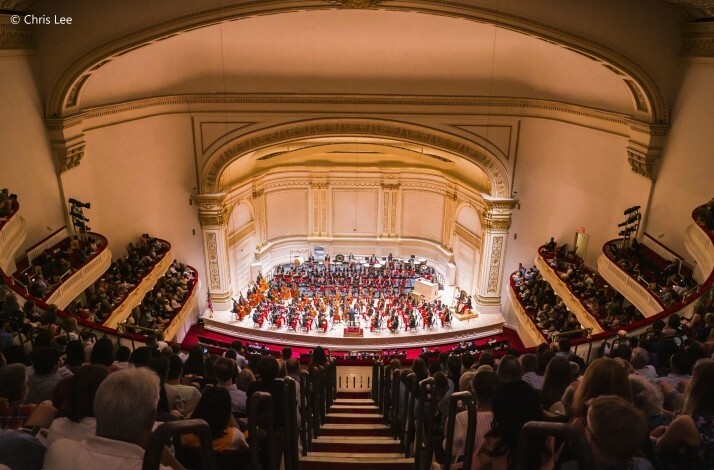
(412, 322)
(467, 306)
(394, 322)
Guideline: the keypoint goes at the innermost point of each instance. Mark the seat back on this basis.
(563, 431)
(467, 399)
(172, 429)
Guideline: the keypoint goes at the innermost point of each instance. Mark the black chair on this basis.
(467, 399)
(164, 433)
(426, 411)
(562, 431)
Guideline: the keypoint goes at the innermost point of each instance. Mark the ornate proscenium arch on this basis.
(219, 161)
(64, 99)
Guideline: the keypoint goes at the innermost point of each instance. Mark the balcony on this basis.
(12, 235)
(699, 243)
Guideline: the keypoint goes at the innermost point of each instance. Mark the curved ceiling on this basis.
(357, 52)
(360, 155)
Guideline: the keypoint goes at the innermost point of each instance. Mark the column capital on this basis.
(14, 36)
(212, 210)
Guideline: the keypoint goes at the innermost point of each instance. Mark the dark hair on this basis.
(225, 369)
(160, 365)
(122, 354)
(194, 362)
(484, 385)
(15, 354)
(83, 387)
(467, 360)
(175, 367)
(75, 354)
(102, 352)
(453, 370)
(268, 368)
(515, 403)
(529, 362)
(509, 368)
(564, 345)
(419, 368)
(318, 357)
(140, 356)
(215, 408)
(44, 359)
(287, 353)
(487, 359)
(231, 354)
(558, 376)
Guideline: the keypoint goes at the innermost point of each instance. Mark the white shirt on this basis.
(94, 452)
(64, 428)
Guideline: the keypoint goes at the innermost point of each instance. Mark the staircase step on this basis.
(352, 430)
(371, 461)
(353, 401)
(353, 418)
(354, 409)
(354, 395)
(355, 445)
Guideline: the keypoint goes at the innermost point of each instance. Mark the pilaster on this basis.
(213, 215)
(390, 199)
(495, 221)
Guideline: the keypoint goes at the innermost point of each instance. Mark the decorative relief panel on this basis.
(642, 164)
(213, 269)
(69, 157)
(15, 36)
(212, 210)
(495, 265)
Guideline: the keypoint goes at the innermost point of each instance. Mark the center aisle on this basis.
(355, 437)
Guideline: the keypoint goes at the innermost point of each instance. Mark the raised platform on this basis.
(483, 325)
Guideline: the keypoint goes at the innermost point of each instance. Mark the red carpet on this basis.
(412, 353)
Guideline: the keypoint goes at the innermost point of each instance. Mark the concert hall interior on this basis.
(377, 163)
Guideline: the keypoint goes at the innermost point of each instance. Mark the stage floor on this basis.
(483, 325)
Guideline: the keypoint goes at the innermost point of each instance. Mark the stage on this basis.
(477, 326)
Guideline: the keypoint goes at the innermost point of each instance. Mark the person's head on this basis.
(122, 354)
(602, 377)
(231, 354)
(607, 417)
(564, 345)
(700, 392)
(467, 360)
(558, 376)
(125, 405)
(140, 356)
(245, 378)
(441, 384)
(646, 396)
(674, 321)
(225, 370)
(292, 367)
(453, 367)
(75, 355)
(509, 368)
(484, 385)
(679, 363)
(487, 359)
(529, 363)
(318, 357)
(514, 404)
(286, 353)
(420, 369)
(45, 360)
(160, 365)
(465, 381)
(83, 387)
(194, 364)
(395, 364)
(175, 368)
(13, 382)
(215, 408)
(640, 358)
(268, 368)
(237, 346)
(102, 352)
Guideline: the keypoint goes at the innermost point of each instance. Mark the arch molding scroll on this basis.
(406, 132)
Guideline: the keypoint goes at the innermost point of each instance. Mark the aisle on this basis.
(355, 437)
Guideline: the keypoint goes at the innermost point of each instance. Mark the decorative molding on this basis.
(256, 194)
(318, 185)
(135, 38)
(362, 4)
(16, 5)
(213, 269)
(641, 163)
(212, 209)
(490, 223)
(390, 186)
(489, 163)
(698, 40)
(13, 36)
(73, 96)
(69, 157)
(639, 97)
(465, 234)
(495, 264)
(238, 236)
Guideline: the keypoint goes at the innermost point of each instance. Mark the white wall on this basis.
(686, 174)
(138, 176)
(569, 177)
(26, 158)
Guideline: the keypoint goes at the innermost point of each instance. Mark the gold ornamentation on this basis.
(698, 40)
(74, 93)
(640, 100)
(495, 267)
(214, 272)
(467, 236)
(211, 209)
(390, 186)
(356, 3)
(319, 185)
(641, 164)
(258, 193)
(69, 157)
(15, 36)
(472, 153)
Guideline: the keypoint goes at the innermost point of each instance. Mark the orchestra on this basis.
(311, 295)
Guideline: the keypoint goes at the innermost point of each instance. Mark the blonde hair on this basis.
(603, 377)
(700, 393)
